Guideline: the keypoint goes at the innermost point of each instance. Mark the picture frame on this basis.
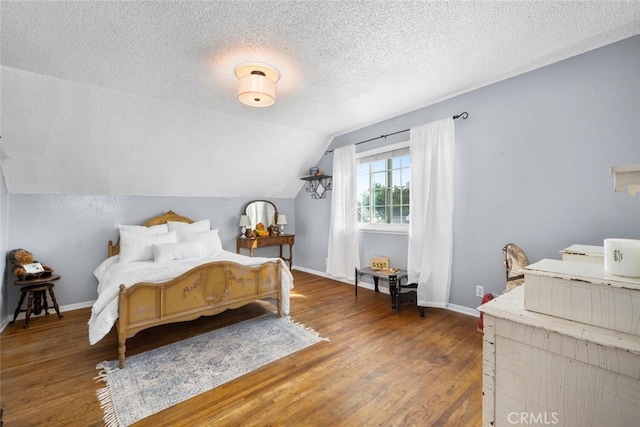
(314, 171)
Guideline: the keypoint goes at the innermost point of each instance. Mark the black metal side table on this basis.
(393, 279)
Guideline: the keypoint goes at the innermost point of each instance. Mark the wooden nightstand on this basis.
(251, 243)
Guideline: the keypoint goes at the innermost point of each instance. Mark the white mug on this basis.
(622, 257)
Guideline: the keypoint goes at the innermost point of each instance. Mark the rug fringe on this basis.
(311, 330)
(105, 398)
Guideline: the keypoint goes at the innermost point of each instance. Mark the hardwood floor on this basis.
(379, 368)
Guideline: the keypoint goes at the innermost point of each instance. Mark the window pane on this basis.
(406, 177)
(405, 197)
(405, 214)
(379, 165)
(396, 179)
(380, 179)
(397, 215)
(363, 214)
(362, 169)
(380, 196)
(397, 162)
(362, 187)
(383, 188)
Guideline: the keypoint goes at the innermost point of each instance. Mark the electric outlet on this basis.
(480, 291)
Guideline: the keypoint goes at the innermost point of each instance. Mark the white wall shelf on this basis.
(626, 176)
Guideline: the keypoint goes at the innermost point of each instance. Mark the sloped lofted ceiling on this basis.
(139, 98)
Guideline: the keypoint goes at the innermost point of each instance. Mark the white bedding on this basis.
(111, 274)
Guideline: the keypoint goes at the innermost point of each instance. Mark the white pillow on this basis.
(171, 251)
(185, 228)
(138, 247)
(209, 239)
(141, 229)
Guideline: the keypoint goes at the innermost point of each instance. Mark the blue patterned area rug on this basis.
(160, 378)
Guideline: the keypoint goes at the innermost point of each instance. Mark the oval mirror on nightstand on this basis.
(261, 211)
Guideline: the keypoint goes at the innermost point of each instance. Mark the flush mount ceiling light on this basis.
(257, 86)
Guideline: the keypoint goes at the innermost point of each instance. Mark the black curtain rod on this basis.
(464, 116)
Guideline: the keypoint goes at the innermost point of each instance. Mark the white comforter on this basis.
(111, 274)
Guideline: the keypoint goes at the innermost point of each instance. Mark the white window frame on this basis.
(383, 228)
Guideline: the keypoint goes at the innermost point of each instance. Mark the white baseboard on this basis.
(453, 307)
(361, 284)
(76, 306)
(4, 323)
(464, 310)
(385, 289)
(323, 274)
(63, 308)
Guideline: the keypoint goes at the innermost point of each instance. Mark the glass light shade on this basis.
(257, 90)
(282, 220)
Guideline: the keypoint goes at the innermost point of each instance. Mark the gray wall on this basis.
(532, 167)
(4, 231)
(70, 233)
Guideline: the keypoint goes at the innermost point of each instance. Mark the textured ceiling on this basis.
(114, 82)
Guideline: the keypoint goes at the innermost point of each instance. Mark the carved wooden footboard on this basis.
(203, 291)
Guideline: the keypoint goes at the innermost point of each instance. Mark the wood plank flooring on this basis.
(379, 368)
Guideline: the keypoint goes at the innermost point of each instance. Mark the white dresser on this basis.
(544, 370)
(583, 253)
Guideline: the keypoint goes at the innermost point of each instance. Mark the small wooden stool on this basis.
(36, 292)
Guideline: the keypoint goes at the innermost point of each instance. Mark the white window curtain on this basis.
(344, 255)
(431, 225)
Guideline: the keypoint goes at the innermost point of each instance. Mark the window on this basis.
(383, 179)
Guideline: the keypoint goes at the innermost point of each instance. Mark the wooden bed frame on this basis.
(202, 291)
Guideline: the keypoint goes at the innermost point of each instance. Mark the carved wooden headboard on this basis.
(156, 220)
